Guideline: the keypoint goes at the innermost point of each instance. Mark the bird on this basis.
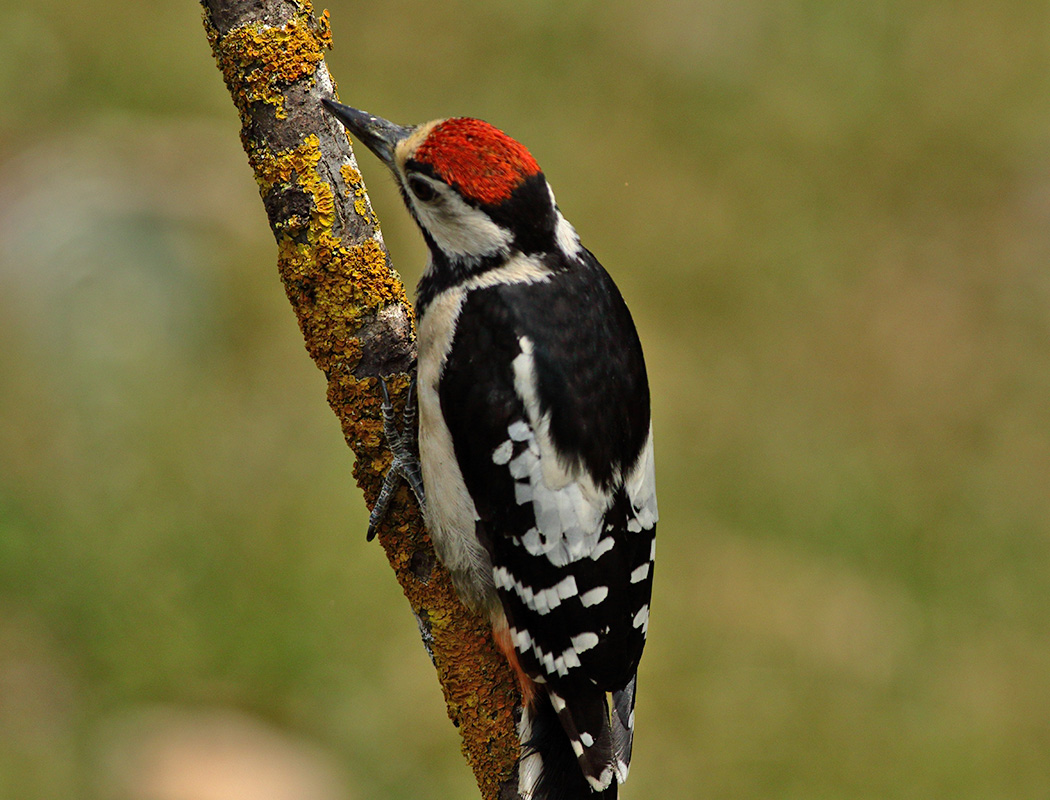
(535, 442)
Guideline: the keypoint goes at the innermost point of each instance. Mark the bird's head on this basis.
(476, 193)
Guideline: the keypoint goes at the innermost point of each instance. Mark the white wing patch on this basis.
(584, 642)
(604, 545)
(641, 619)
(594, 596)
(542, 601)
(568, 507)
(552, 664)
(501, 455)
(640, 573)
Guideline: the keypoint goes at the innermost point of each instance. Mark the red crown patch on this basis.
(479, 158)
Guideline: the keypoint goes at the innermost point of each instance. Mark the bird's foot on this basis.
(405, 463)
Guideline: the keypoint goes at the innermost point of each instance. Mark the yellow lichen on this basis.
(351, 177)
(328, 282)
(261, 60)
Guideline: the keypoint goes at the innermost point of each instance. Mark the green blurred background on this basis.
(832, 223)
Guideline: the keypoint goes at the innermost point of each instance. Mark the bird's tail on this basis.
(570, 752)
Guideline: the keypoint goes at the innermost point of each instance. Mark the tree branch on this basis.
(358, 325)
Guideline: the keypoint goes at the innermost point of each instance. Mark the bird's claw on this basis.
(405, 462)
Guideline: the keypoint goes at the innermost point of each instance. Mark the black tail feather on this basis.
(560, 777)
(623, 726)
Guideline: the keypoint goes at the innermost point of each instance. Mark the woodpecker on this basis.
(534, 440)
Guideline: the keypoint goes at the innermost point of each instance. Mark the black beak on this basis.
(375, 133)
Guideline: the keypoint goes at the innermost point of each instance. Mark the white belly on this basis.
(450, 511)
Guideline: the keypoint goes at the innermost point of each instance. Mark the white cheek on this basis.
(459, 229)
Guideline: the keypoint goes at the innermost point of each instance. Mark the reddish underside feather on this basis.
(501, 635)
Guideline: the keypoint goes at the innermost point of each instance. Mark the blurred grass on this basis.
(831, 222)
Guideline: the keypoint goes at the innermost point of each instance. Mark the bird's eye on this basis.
(423, 189)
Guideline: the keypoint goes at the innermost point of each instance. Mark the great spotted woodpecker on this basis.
(535, 440)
